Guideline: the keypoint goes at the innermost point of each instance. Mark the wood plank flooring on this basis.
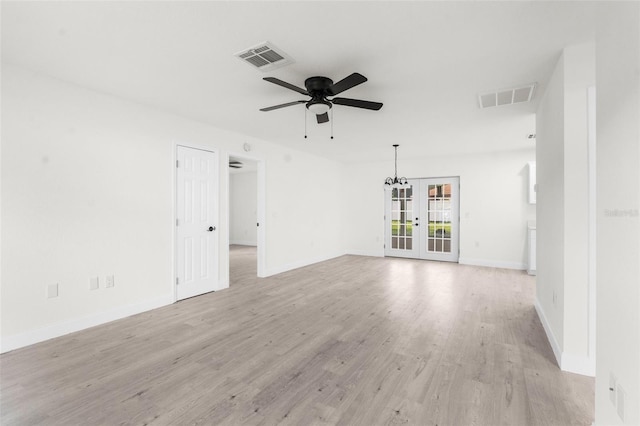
(354, 340)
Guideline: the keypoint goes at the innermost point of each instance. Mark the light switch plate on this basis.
(110, 281)
(52, 290)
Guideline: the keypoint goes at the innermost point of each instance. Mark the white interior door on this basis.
(197, 216)
(422, 221)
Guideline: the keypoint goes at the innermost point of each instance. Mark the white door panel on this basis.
(197, 236)
(401, 209)
(439, 232)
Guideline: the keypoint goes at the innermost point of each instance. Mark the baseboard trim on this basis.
(584, 366)
(372, 253)
(557, 352)
(243, 243)
(492, 263)
(17, 341)
(300, 264)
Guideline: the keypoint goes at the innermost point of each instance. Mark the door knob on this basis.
(211, 228)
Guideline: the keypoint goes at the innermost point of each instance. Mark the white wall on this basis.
(563, 202)
(87, 183)
(494, 208)
(618, 202)
(550, 208)
(303, 225)
(579, 71)
(243, 208)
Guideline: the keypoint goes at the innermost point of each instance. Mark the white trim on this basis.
(578, 364)
(261, 210)
(174, 219)
(300, 264)
(16, 341)
(592, 209)
(373, 253)
(492, 263)
(243, 243)
(585, 366)
(550, 336)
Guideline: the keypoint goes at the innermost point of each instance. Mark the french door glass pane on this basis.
(439, 216)
(401, 219)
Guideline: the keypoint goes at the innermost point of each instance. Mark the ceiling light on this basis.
(319, 107)
(393, 183)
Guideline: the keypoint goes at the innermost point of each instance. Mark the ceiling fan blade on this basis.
(357, 103)
(285, 84)
(235, 166)
(271, 108)
(346, 83)
(322, 118)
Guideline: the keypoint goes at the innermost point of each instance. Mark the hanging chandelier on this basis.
(393, 183)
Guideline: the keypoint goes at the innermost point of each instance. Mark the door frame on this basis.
(419, 251)
(261, 209)
(592, 219)
(174, 201)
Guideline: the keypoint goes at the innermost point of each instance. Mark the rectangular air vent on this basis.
(264, 56)
(514, 95)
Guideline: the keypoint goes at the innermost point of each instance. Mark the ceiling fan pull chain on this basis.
(305, 123)
(331, 123)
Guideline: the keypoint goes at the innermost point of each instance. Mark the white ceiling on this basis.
(426, 61)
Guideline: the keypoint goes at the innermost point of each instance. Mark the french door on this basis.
(422, 220)
(196, 221)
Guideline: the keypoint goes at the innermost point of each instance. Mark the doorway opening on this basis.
(246, 180)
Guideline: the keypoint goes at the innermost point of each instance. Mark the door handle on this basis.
(211, 228)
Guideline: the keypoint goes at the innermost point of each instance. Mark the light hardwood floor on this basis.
(354, 340)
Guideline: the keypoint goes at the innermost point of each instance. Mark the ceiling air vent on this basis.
(264, 56)
(514, 95)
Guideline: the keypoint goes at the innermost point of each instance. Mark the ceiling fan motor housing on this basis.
(318, 88)
(318, 84)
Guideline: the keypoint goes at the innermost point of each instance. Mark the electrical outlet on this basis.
(110, 281)
(612, 388)
(52, 290)
(94, 283)
(621, 397)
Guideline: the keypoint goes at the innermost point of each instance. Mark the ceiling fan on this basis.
(320, 88)
(234, 164)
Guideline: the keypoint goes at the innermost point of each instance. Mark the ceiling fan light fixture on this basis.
(395, 182)
(319, 107)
